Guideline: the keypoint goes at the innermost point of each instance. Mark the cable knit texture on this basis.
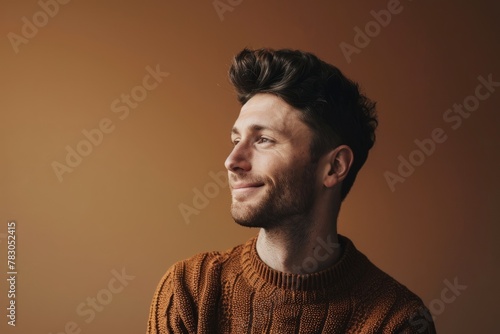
(236, 292)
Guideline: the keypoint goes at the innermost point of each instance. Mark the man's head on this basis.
(312, 108)
(270, 170)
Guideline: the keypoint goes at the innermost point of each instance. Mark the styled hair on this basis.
(330, 104)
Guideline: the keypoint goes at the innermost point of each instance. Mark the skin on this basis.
(275, 186)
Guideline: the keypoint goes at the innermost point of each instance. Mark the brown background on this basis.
(120, 207)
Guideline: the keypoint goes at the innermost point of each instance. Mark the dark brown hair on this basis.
(331, 104)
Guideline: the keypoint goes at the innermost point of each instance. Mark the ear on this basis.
(337, 164)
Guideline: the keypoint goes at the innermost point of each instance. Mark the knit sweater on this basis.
(236, 292)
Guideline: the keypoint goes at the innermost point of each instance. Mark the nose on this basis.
(239, 159)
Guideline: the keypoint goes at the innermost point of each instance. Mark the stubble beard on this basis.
(287, 202)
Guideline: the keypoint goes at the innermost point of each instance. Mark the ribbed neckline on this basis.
(340, 276)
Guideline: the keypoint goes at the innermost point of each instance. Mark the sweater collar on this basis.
(340, 276)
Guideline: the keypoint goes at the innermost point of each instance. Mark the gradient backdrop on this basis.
(114, 210)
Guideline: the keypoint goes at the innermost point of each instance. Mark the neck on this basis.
(310, 249)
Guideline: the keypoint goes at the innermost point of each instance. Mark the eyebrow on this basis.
(255, 128)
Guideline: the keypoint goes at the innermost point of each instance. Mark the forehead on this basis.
(267, 110)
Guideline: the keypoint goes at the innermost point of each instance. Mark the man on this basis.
(302, 135)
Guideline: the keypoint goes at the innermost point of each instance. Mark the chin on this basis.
(245, 215)
(241, 214)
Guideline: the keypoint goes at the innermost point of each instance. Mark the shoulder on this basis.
(400, 310)
(198, 271)
(187, 287)
(367, 280)
(206, 262)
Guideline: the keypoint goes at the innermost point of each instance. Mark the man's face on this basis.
(271, 177)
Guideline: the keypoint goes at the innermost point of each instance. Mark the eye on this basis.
(263, 140)
(235, 141)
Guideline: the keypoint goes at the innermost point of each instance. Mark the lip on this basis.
(242, 186)
(244, 191)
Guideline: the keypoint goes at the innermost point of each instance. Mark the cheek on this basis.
(270, 168)
(274, 164)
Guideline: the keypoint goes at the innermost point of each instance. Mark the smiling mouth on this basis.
(245, 189)
(246, 186)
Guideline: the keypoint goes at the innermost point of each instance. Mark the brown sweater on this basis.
(236, 292)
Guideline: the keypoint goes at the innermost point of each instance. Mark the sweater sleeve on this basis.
(187, 296)
(166, 315)
(419, 322)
